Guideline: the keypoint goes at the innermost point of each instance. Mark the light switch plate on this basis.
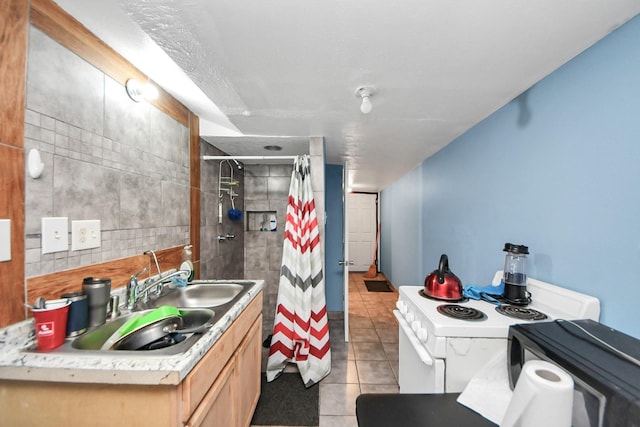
(55, 234)
(85, 234)
(5, 240)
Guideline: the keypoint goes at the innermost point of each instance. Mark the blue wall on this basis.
(400, 230)
(334, 288)
(557, 169)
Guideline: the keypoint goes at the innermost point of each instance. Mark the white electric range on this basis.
(439, 354)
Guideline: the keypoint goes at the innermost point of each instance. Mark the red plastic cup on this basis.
(51, 324)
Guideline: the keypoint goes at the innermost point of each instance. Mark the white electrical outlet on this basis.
(85, 234)
(5, 240)
(55, 234)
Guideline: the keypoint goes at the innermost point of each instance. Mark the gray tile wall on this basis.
(106, 157)
(266, 190)
(220, 259)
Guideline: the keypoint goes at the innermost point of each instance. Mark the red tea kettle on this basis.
(442, 284)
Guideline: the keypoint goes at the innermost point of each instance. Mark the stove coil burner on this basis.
(425, 295)
(461, 312)
(520, 312)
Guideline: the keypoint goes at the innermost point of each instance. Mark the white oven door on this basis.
(419, 372)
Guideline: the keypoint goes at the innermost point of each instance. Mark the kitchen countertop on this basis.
(17, 362)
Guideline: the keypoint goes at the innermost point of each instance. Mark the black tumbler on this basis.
(98, 292)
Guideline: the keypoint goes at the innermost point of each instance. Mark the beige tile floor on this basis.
(368, 363)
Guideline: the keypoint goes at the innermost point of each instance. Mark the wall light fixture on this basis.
(138, 91)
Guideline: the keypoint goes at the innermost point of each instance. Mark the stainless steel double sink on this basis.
(202, 303)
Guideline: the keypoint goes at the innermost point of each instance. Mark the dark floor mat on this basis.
(377, 286)
(286, 402)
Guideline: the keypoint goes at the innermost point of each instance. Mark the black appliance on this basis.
(515, 276)
(607, 383)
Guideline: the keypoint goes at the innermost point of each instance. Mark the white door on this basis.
(362, 229)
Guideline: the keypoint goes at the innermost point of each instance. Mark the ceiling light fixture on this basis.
(365, 92)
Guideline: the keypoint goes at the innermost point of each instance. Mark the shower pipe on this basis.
(234, 158)
(249, 157)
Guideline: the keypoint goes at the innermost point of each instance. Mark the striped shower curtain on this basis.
(301, 328)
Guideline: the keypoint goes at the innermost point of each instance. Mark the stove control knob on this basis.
(423, 334)
(410, 318)
(416, 326)
(402, 307)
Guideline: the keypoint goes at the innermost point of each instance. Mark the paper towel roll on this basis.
(543, 396)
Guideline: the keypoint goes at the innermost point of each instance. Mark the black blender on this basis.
(515, 276)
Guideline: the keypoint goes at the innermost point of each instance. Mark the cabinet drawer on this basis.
(217, 405)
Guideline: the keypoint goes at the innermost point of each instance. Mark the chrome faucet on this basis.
(132, 289)
(157, 282)
(136, 290)
(155, 258)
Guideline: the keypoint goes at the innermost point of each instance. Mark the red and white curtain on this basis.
(301, 328)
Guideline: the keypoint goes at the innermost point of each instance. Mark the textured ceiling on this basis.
(289, 68)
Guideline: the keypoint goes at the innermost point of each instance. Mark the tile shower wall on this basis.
(266, 190)
(220, 259)
(106, 157)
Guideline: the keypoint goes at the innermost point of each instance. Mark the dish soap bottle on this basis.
(187, 264)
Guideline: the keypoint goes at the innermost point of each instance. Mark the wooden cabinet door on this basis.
(247, 374)
(217, 407)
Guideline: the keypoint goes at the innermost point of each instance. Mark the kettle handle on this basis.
(443, 268)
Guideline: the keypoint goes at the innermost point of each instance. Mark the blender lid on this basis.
(516, 249)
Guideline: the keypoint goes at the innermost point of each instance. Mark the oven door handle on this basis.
(415, 343)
